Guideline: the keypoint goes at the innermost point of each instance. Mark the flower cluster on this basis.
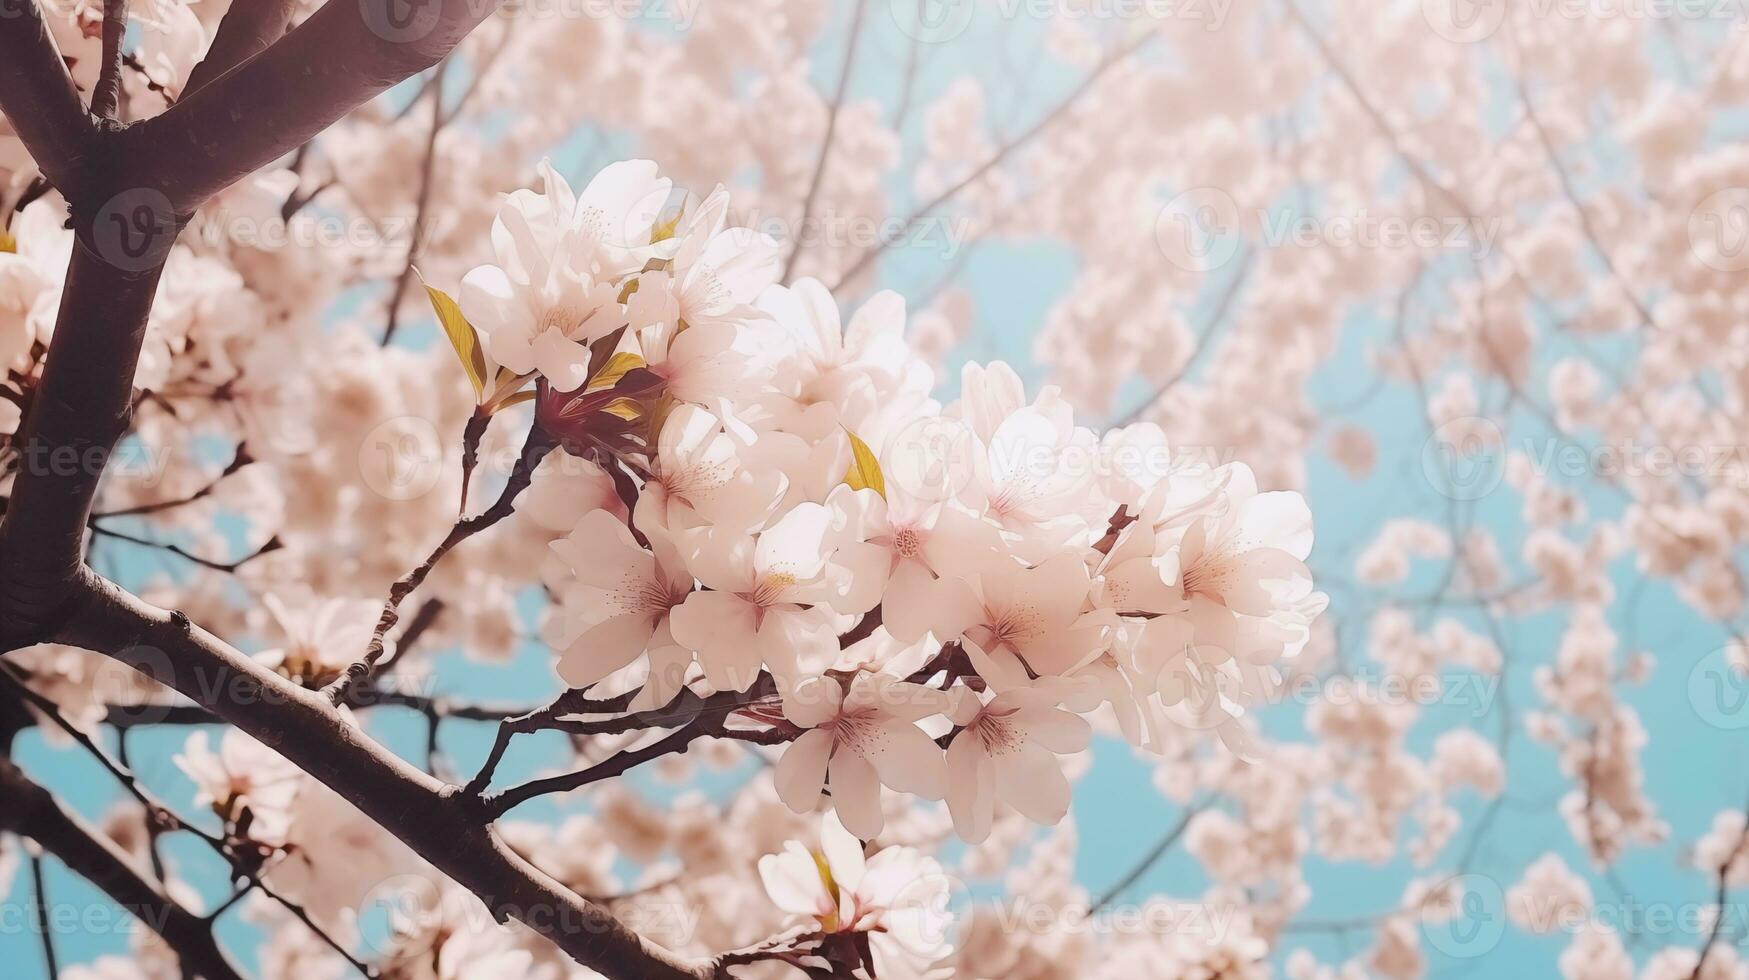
(939, 594)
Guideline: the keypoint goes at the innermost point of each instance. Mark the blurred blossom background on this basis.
(1471, 275)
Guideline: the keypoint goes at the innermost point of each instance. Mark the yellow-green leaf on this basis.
(617, 367)
(865, 469)
(624, 408)
(503, 391)
(461, 336)
(665, 230)
(525, 395)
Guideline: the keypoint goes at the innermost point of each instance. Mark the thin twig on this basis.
(106, 94)
(422, 203)
(1002, 153)
(39, 903)
(534, 449)
(1152, 857)
(825, 154)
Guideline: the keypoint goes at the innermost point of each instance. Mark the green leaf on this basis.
(865, 469)
(617, 367)
(461, 336)
(623, 408)
(664, 230)
(525, 395)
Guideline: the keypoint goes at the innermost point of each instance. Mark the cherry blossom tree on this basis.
(553, 490)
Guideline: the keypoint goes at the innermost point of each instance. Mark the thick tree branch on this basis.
(343, 56)
(39, 98)
(81, 409)
(33, 812)
(437, 821)
(247, 29)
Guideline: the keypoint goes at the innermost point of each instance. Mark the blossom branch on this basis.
(31, 811)
(1719, 899)
(239, 459)
(534, 449)
(701, 715)
(674, 743)
(433, 818)
(158, 816)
